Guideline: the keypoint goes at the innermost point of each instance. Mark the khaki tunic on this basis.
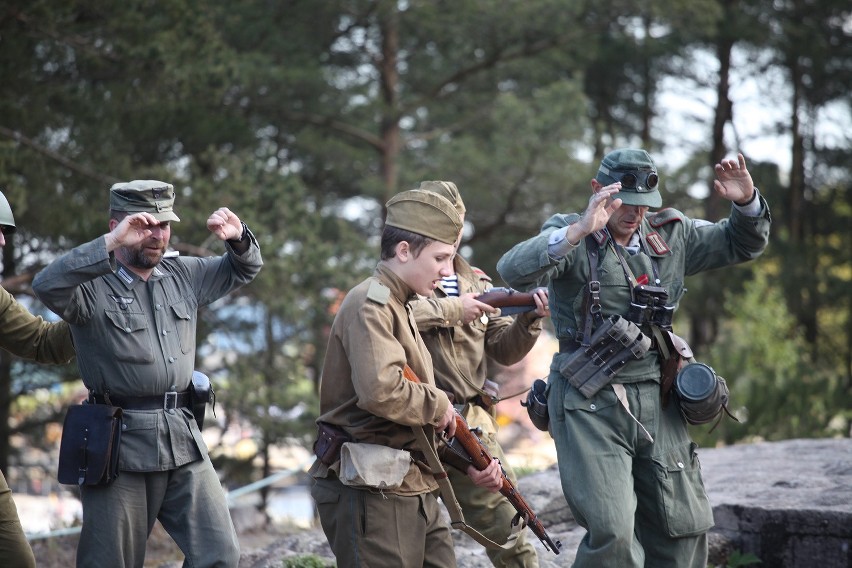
(460, 352)
(29, 336)
(362, 389)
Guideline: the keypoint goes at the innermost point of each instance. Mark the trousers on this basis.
(188, 501)
(642, 502)
(15, 551)
(372, 529)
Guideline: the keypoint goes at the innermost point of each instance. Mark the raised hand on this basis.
(733, 181)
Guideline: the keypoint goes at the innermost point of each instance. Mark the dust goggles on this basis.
(633, 179)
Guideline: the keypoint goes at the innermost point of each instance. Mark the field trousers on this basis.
(15, 551)
(188, 501)
(643, 503)
(373, 529)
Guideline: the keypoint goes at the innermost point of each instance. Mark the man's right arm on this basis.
(529, 264)
(57, 285)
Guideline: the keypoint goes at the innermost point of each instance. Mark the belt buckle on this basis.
(171, 395)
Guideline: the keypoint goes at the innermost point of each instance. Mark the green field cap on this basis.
(637, 173)
(425, 213)
(150, 196)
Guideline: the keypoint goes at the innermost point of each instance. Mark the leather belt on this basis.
(167, 401)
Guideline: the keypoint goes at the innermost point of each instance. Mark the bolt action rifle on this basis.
(480, 458)
(509, 300)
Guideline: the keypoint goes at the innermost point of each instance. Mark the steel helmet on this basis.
(7, 221)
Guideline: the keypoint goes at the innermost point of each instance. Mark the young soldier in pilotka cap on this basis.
(133, 310)
(375, 495)
(629, 469)
(461, 334)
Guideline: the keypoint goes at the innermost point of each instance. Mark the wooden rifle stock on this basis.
(509, 300)
(481, 458)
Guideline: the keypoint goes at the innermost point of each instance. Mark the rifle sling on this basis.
(449, 497)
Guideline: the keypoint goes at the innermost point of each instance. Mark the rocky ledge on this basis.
(789, 503)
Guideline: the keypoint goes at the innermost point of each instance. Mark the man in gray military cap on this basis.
(133, 310)
(628, 466)
(376, 495)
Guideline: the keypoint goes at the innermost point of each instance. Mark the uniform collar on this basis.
(399, 289)
(130, 278)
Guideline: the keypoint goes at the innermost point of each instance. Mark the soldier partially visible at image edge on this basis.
(28, 336)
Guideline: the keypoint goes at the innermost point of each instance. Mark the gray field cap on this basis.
(618, 163)
(148, 195)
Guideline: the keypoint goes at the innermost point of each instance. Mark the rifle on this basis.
(481, 458)
(509, 300)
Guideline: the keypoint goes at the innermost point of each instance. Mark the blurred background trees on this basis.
(305, 117)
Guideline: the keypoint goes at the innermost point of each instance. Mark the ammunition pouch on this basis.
(615, 342)
(702, 394)
(200, 392)
(373, 466)
(536, 405)
(330, 440)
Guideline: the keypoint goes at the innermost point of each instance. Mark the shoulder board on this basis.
(664, 216)
(378, 292)
(479, 273)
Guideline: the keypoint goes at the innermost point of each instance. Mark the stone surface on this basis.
(789, 503)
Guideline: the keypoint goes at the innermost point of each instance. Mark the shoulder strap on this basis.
(448, 496)
(593, 293)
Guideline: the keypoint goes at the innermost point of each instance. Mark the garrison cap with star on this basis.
(620, 164)
(148, 195)
(425, 213)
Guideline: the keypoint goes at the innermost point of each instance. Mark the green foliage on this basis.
(774, 393)
(738, 559)
(308, 561)
(304, 117)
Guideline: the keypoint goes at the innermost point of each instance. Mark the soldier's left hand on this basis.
(225, 224)
(734, 183)
(490, 478)
(542, 305)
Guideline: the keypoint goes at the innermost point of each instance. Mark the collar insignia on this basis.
(657, 244)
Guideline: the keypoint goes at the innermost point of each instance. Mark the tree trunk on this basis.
(389, 129)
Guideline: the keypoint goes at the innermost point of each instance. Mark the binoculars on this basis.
(648, 306)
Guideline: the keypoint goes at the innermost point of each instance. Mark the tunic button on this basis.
(165, 332)
(127, 330)
(124, 426)
(171, 360)
(159, 307)
(680, 465)
(593, 406)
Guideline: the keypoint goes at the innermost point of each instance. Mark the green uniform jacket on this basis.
(680, 246)
(137, 338)
(29, 336)
(460, 352)
(362, 389)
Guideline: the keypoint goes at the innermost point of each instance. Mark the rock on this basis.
(789, 503)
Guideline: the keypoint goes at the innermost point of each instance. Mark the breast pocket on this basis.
(131, 341)
(184, 324)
